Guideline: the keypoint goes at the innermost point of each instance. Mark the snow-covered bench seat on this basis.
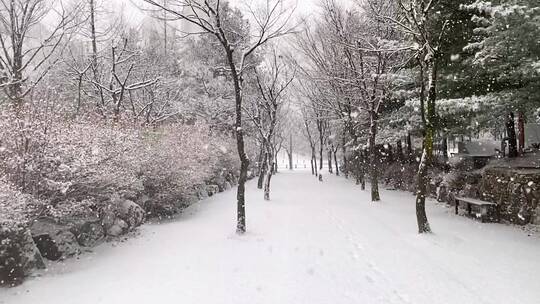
(487, 211)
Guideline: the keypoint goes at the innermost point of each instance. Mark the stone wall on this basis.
(25, 245)
(515, 190)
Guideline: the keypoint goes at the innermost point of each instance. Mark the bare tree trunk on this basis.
(423, 180)
(362, 170)
(165, 28)
(321, 157)
(399, 151)
(521, 131)
(427, 154)
(445, 148)
(290, 152)
(330, 169)
(94, 64)
(260, 160)
(79, 89)
(373, 158)
(314, 161)
(344, 152)
(409, 148)
(336, 162)
(270, 160)
(512, 140)
(244, 161)
(15, 88)
(262, 171)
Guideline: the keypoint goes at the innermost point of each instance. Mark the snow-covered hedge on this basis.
(75, 166)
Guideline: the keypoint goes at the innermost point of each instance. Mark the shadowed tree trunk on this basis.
(344, 152)
(410, 157)
(262, 171)
(445, 148)
(512, 140)
(521, 131)
(269, 173)
(290, 152)
(399, 151)
(321, 158)
(335, 160)
(244, 161)
(423, 180)
(314, 156)
(373, 155)
(330, 169)
(427, 151)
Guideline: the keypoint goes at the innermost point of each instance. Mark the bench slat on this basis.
(474, 201)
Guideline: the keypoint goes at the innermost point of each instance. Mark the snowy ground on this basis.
(313, 243)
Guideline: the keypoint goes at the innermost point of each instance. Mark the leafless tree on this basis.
(28, 48)
(120, 83)
(272, 80)
(270, 21)
(357, 58)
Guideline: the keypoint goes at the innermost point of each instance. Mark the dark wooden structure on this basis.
(487, 211)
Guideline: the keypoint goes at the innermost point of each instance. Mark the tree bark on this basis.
(270, 160)
(445, 148)
(362, 170)
(290, 152)
(336, 161)
(375, 197)
(521, 130)
(321, 157)
(262, 171)
(15, 88)
(427, 151)
(409, 148)
(422, 180)
(315, 162)
(399, 151)
(244, 161)
(330, 169)
(344, 152)
(512, 140)
(95, 72)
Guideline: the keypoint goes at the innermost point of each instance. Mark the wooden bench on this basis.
(488, 211)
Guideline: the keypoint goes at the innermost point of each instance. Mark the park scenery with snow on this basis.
(270, 151)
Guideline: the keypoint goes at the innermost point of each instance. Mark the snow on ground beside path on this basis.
(313, 243)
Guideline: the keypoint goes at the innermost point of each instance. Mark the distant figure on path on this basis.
(320, 177)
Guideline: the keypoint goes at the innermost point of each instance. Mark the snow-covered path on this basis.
(313, 243)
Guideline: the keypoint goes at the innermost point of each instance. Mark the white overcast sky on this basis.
(303, 7)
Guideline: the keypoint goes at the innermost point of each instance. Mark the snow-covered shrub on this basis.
(77, 166)
(16, 206)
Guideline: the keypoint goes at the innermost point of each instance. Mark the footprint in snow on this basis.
(370, 279)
